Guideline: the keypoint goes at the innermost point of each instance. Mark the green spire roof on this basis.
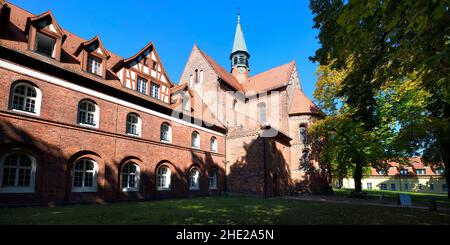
(239, 40)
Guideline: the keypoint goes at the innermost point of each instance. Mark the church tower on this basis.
(240, 56)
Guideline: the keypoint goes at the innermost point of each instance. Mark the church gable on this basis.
(145, 73)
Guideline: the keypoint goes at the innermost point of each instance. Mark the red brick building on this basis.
(79, 123)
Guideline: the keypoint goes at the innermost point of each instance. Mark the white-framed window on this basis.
(212, 176)
(154, 90)
(213, 144)
(166, 133)
(420, 171)
(382, 172)
(404, 171)
(26, 98)
(445, 187)
(88, 113)
(194, 179)
(369, 186)
(163, 178)
(17, 173)
(393, 187)
(195, 140)
(406, 186)
(383, 186)
(130, 177)
(45, 44)
(141, 85)
(134, 124)
(85, 173)
(94, 65)
(439, 171)
(262, 112)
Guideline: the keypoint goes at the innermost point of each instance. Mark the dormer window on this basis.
(94, 65)
(93, 57)
(45, 44)
(44, 35)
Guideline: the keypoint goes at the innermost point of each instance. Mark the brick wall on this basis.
(56, 140)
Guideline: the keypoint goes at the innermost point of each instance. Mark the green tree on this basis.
(388, 41)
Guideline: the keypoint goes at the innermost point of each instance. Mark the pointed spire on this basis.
(239, 40)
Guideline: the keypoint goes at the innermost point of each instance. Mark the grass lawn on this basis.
(220, 210)
(393, 195)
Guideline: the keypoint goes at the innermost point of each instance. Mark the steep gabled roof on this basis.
(272, 79)
(46, 16)
(224, 75)
(301, 104)
(151, 48)
(89, 43)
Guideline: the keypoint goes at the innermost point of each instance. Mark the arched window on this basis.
(130, 177)
(262, 112)
(213, 144)
(88, 113)
(17, 173)
(195, 140)
(163, 178)
(235, 60)
(212, 179)
(303, 135)
(194, 179)
(166, 133)
(133, 124)
(85, 173)
(26, 98)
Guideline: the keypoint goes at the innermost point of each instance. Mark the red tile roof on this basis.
(301, 104)
(271, 79)
(414, 164)
(15, 38)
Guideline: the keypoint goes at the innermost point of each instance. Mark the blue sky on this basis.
(276, 32)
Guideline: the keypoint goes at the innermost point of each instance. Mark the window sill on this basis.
(26, 112)
(130, 190)
(163, 189)
(16, 190)
(134, 135)
(166, 142)
(84, 190)
(194, 189)
(88, 125)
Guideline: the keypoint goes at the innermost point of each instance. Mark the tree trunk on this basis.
(357, 176)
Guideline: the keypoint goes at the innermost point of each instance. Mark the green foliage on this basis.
(398, 83)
